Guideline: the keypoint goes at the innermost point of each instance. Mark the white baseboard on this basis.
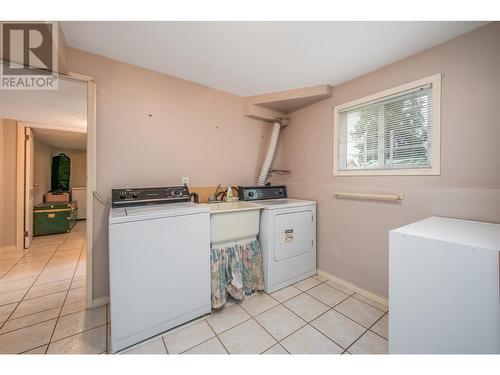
(355, 288)
(366, 293)
(96, 302)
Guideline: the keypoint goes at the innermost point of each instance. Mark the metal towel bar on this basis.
(378, 197)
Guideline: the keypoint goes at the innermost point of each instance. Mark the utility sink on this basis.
(223, 207)
(233, 222)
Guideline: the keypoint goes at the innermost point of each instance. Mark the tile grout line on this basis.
(278, 342)
(221, 332)
(336, 343)
(370, 329)
(331, 308)
(375, 307)
(364, 333)
(143, 342)
(56, 248)
(74, 334)
(65, 298)
(282, 303)
(251, 317)
(165, 344)
(348, 317)
(38, 312)
(161, 335)
(165, 333)
(52, 293)
(34, 281)
(345, 299)
(26, 351)
(29, 325)
(354, 295)
(224, 331)
(41, 311)
(49, 282)
(309, 323)
(23, 278)
(15, 264)
(192, 347)
(344, 350)
(220, 341)
(256, 321)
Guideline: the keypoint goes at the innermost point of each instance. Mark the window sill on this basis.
(390, 172)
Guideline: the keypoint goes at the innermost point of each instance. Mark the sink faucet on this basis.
(213, 198)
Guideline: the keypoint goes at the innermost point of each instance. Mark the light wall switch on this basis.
(185, 181)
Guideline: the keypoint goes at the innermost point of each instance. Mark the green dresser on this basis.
(55, 217)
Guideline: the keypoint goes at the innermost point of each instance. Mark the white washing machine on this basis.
(159, 262)
(287, 235)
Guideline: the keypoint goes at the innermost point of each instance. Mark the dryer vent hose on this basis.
(264, 172)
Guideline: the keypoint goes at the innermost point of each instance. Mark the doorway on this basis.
(55, 181)
(48, 124)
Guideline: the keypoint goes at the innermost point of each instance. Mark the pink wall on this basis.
(201, 132)
(8, 159)
(353, 235)
(194, 131)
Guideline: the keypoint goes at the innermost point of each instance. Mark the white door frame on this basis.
(20, 188)
(91, 183)
(28, 187)
(91, 179)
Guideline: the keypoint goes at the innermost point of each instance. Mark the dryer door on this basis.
(293, 234)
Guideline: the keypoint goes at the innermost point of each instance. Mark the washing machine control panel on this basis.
(255, 193)
(138, 196)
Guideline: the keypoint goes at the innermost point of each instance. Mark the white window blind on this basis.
(393, 132)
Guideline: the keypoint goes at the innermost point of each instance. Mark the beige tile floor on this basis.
(42, 299)
(42, 310)
(314, 316)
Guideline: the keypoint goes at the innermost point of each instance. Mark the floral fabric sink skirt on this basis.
(236, 271)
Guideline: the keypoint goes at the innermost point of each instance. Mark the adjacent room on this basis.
(251, 188)
(44, 200)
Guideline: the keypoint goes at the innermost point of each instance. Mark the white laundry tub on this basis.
(233, 222)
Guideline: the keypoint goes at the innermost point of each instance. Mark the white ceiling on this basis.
(65, 107)
(248, 58)
(61, 139)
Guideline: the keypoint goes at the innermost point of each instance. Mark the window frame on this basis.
(433, 170)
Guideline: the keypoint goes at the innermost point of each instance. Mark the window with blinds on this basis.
(391, 132)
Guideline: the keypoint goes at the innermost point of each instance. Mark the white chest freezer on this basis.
(444, 287)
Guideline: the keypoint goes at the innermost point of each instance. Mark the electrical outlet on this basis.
(185, 181)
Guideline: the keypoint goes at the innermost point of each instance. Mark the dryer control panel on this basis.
(255, 193)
